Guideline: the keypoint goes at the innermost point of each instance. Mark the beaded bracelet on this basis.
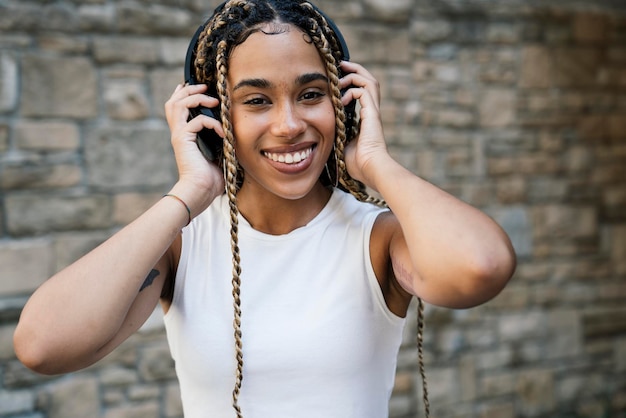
(184, 204)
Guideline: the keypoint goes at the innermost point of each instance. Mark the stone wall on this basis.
(516, 107)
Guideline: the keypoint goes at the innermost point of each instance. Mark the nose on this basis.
(287, 123)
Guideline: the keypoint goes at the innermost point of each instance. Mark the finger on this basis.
(196, 124)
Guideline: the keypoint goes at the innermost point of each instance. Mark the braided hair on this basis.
(231, 24)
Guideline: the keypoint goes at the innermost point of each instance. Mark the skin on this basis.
(430, 244)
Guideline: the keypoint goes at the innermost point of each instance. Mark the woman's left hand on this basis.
(362, 152)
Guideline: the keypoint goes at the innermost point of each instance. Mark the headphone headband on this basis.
(190, 57)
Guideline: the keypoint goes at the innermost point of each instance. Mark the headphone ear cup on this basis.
(350, 111)
(210, 143)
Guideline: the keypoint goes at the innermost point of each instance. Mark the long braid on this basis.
(230, 170)
(353, 186)
(420, 354)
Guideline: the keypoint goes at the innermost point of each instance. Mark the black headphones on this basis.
(211, 144)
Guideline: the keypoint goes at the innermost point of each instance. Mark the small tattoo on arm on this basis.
(151, 276)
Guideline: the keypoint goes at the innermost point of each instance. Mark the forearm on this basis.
(80, 309)
(461, 257)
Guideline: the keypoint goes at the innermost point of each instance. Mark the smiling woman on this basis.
(279, 117)
(285, 290)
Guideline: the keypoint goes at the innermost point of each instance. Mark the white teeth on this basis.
(289, 158)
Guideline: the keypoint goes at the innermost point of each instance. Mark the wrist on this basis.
(194, 199)
(377, 169)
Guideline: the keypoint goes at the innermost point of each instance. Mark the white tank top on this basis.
(318, 338)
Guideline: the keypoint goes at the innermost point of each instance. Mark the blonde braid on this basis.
(356, 188)
(230, 170)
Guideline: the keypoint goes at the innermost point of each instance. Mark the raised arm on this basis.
(86, 310)
(438, 247)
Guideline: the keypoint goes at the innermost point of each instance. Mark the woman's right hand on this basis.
(200, 181)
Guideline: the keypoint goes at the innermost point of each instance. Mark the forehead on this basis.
(274, 50)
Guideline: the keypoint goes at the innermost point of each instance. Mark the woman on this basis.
(317, 282)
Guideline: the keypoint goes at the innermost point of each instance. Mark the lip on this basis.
(294, 167)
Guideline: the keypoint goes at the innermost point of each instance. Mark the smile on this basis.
(289, 157)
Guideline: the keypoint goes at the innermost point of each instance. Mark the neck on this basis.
(274, 215)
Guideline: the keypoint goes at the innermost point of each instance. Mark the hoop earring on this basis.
(333, 180)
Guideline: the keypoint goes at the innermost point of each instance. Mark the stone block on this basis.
(9, 82)
(73, 398)
(511, 190)
(145, 410)
(453, 118)
(24, 265)
(69, 247)
(129, 157)
(395, 12)
(37, 214)
(521, 326)
(565, 333)
(513, 296)
(498, 410)
(96, 17)
(503, 33)
(447, 387)
(173, 51)
(173, 403)
(614, 203)
(618, 249)
(576, 67)
(162, 85)
(118, 377)
(536, 392)
(35, 176)
(140, 393)
(58, 87)
(16, 402)
(4, 137)
(17, 376)
(591, 27)
(537, 68)
(63, 44)
(560, 221)
(6, 342)
(154, 19)
(156, 363)
(46, 136)
(378, 44)
(617, 127)
(481, 337)
(125, 49)
(434, 30)
(605, 323)
(497, 108)
(547, 189)
(516, 221)
(126, 99)
(128, 206)
(497, 384)
(620, 355)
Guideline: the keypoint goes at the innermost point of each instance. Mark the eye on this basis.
(312, 95)
(255, 101)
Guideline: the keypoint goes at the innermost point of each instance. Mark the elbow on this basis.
(493, 271)
(28, 351)
(34, 353)
(486, 278)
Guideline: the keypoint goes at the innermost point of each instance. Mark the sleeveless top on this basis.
(318, 338)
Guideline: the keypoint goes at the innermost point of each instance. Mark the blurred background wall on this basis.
(517, 107)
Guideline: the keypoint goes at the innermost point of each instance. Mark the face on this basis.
(281, 111)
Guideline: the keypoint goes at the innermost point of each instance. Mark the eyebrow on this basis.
(264, 84)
